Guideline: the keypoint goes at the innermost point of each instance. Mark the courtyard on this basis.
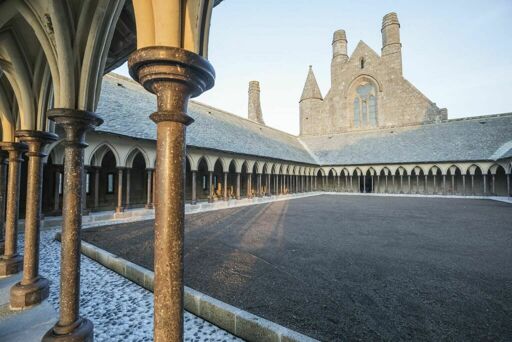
(341, 267)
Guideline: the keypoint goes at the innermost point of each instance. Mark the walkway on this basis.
(119, 309)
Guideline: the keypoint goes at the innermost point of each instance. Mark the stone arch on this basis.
(361, 78)
(96, 156)
(128, 162)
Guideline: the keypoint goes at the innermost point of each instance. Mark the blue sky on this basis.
(458, 53)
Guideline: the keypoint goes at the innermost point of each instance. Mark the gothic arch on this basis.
(99, 152)
(130, 156)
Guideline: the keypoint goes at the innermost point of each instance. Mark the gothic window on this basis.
(356, 112)
(365, 106)
(373, 111)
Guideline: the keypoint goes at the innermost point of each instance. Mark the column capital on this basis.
(75, 123)
(174, 75)
(36, 140)
(15, 150)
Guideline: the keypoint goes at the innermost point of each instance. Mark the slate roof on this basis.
(470, 139)
(125, 106)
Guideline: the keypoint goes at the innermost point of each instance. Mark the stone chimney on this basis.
(255, 113)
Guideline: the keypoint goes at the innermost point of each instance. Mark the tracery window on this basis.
(356, 112)
(365, 106)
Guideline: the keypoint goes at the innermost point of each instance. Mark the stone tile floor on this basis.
(119, 309)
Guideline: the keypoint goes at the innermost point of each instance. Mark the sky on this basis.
(458, 53)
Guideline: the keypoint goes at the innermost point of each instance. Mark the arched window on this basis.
(373, 111)
(362, 63)
(356, 112)
(365, 106)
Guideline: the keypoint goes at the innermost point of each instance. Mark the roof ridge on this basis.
(241, 118)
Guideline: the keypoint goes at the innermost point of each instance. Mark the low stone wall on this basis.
(234, 320)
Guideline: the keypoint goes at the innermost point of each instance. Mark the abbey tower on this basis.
(368, 90)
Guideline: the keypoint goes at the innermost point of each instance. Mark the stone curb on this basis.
(234, 320)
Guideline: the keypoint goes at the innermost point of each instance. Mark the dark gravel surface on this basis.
(350, 267)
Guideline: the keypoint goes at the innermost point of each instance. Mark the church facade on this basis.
(373, 132)
(368, 90)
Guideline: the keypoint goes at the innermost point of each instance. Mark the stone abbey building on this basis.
(372, 132)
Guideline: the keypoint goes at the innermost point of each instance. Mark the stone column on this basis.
(96, 187)
(435, 186)
(473, 185)
(426, 184)
(3, 174)
(11, 262)
(386, 182)
(119, 208)
(153, 193)
(249, 185)
(464, 185)
(149, 204)
(351, 184)
(260, 193)
(194, 187)
(238, 185)
(210, 187)
(128, 180)
(174, 75)
(364, 184)
(401, 184)
(56, 193)
(32, 289)
(409, 182)
(508, 185)
(417, 184)
(493, 184)
(269, 190)
(72, 327)
(372, 190)
(444, 185)
(378, 183)
(485, 184)
(225, 191)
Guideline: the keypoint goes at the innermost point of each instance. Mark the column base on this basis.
(119, 209)
(11, 265)
(25, 296)
(80, 331)
(149, 206)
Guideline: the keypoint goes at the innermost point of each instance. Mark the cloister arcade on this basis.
(120, 175)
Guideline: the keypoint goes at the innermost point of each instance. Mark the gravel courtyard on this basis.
(350, 267)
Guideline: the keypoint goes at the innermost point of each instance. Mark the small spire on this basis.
(311, 89)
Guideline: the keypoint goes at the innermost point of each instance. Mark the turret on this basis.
(254, 111)
(339, 54)
(310, 104)
(391, 46)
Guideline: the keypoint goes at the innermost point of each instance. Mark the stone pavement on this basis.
(119, 309)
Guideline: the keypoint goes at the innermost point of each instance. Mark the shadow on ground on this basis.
(350, 267)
